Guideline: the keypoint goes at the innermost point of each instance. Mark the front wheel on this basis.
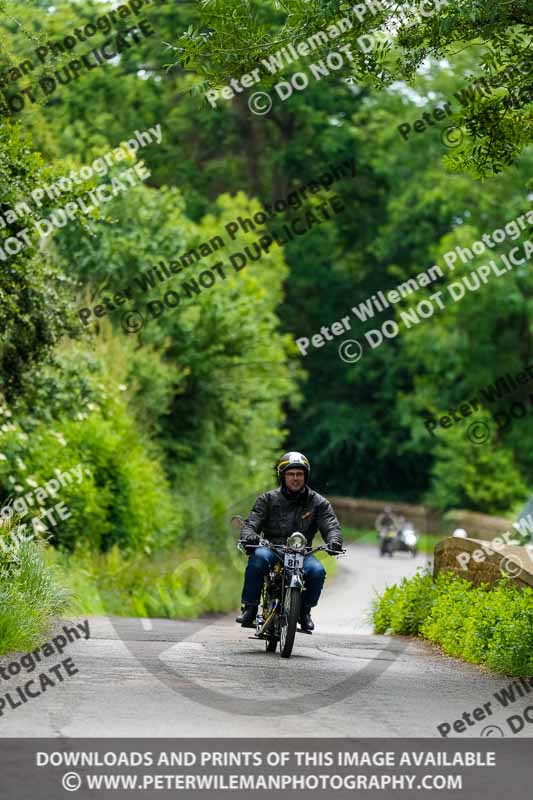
(293, 600)
(385, 547)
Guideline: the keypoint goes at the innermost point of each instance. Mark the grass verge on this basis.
(171, 583)
(31, 596)
(481, 625)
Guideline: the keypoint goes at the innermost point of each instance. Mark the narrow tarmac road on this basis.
(195, 678)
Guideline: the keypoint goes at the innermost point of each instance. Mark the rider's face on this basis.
(294, 479)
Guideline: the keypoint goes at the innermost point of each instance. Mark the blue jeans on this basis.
(259, 563)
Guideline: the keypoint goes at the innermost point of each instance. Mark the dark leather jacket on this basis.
(276, 515)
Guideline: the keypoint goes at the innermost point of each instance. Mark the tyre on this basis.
(414, 552)
(293, 599)
(271, 645)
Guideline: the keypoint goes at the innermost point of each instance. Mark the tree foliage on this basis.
(216, 387)
(389, 45)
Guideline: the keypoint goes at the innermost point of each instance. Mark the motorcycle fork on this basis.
(286, 585)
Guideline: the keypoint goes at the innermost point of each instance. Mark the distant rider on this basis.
(386, 520)
(277, 514)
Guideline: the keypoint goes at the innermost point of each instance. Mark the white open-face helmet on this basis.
(293, 460)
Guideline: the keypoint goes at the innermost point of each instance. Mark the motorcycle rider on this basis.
(386, 520)
(277, 514)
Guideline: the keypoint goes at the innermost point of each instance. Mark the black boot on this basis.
(306, 622)
(248, 615)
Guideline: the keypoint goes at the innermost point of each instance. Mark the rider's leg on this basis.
(315, 575)
(258, 565)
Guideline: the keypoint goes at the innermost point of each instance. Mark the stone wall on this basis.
(361, 513)
(484, 565)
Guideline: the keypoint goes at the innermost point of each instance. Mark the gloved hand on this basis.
(252, 538)
(335, 545)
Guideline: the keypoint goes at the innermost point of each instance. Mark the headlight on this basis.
(297, 541)
(410, 538)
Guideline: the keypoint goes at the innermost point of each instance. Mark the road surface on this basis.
(195, 678)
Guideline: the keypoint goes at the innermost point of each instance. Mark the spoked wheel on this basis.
(293, 599)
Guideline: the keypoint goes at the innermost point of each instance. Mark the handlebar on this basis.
(307, 551)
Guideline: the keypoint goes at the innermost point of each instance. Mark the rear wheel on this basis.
(271, 645)
(293, 599)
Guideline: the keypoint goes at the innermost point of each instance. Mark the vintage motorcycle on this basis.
(281, 598)
(401, 536)
(387, 537)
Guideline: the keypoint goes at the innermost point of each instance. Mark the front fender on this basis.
(296, 581)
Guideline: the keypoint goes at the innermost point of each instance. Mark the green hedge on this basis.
(482, 625)
(123, 496)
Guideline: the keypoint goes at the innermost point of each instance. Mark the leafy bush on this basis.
(455, 610)
(123, 497)
(402, 609)
(76, 413)
(493, 627)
